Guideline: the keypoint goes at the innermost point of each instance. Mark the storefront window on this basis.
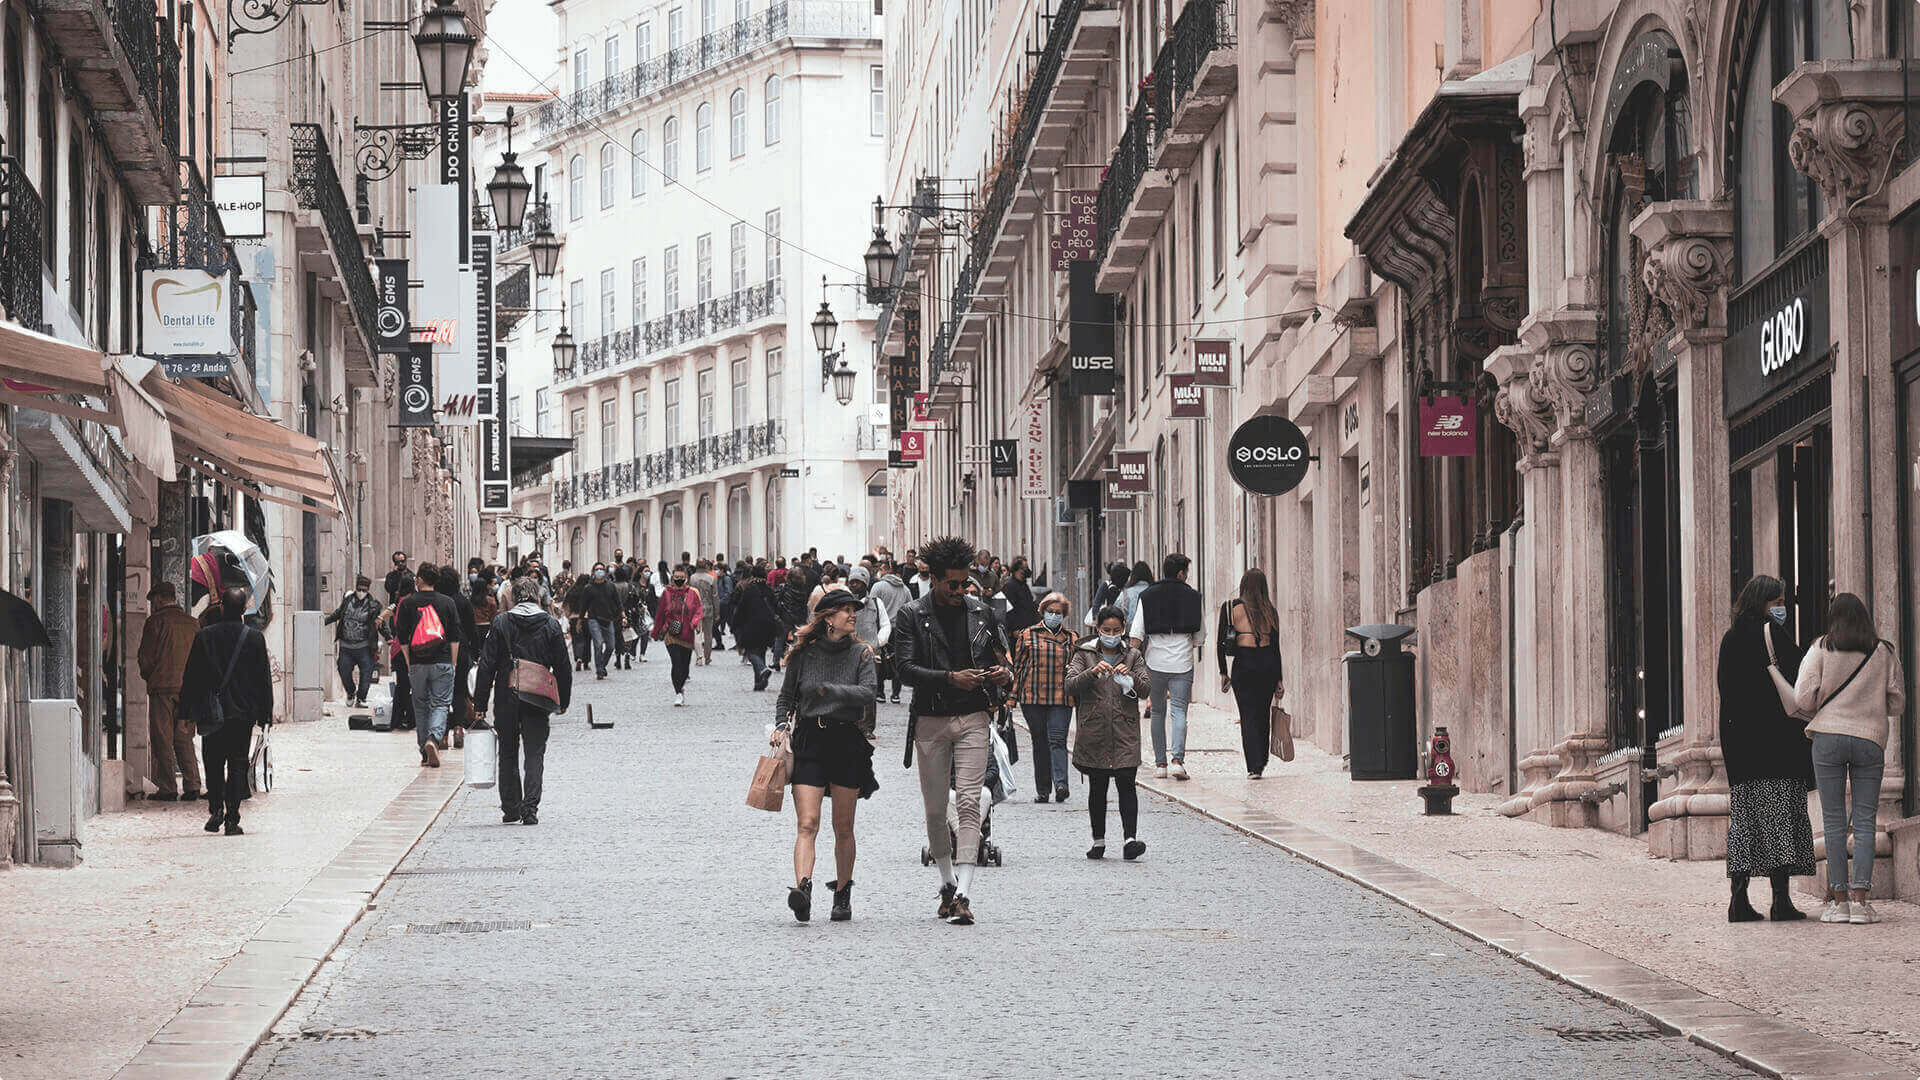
(1776, 205)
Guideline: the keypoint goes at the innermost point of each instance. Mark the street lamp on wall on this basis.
(445, 46)
(543, 245)
(564, 351)
(834, 368)
(880, 259)
(509, 188)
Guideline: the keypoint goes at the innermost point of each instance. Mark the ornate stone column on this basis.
(1522, 406)
(1689, 247)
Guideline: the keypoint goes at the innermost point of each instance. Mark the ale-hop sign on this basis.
(1033, 450)
(1189, 400)
(1268, 455)
(1078, 236)
(1131, 465)
(1114, 497)
(913, 446)
(1449, 427)
(241, 202)
(1212, 362)
(416, 386)
(393, 318)
(1003, 458)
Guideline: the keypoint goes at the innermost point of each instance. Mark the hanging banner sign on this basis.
(1003, 458)
(393, 318)
(913, 446)
(480, 255)
(895, 461)
(921, 417)
(453, 160)
(437, 251)
(186, 313)
(1212, 362)
(903, 375)
(1078, 236)
(456, 378)
(1268, 455)
(1448, 427)
(1189, 400)
(1131, 465)
(1091, 368)
(496, 488)
(1115, 498)
(1033, 450)
(241, 202)
(416, 386)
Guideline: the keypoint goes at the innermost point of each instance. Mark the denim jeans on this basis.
(1048, 726)
(1838, 759)
(1171, 692)
(602, 632)
(432, 686)
(757, 658)
(356, 659)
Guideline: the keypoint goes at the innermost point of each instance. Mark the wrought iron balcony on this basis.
(189, 232)
(317, 186)
(683, 327)
(674, 465)
(506, 240)
(872, 436)
(124, 61)
(512, 300)
(1124, 171)
(1027, 110)
(21, 236)
(795, 18)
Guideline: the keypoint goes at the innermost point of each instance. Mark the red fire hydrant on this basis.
(1440, 787)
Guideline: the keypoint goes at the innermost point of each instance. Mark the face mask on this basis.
(1053, 619)
(1125, 683)
(1778, 614)
(1110, 642)
(679, 583)
(599, 575)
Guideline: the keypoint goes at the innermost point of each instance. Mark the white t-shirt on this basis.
(1170, 653)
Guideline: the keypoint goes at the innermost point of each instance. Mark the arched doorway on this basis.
(641, 549)
(703, 521)
(672, 533)
(737, 498)
(576, 546)
(776, 512)
(606, 540)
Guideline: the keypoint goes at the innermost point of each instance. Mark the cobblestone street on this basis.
(641, 928)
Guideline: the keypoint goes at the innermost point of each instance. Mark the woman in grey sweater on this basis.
(825, 716)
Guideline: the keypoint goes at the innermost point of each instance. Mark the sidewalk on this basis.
(99, 957)
(1858, 986)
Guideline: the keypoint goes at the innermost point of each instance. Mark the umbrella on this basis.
(20, 625)
(252, 562)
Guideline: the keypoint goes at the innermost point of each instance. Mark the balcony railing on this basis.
(795, 18)
(682, 327)
(318, 187)
(671, 466)
(190, 233)
(940, 356)
(512, 300)
(1204, 27)
(156, 63)
(1128, 166)
(1032, 106)
(20, 240)
(872, 436)
(508, 239)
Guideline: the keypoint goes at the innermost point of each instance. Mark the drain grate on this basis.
(1606, 1035)
(326, 1035)
(482, 927)
(460, 871)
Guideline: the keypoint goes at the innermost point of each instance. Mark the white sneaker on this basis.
(1159, 772)
(1179, 770)
(679, 699)
(1836, 912)
(1862, 913)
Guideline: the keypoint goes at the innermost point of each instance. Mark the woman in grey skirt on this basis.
(1768, 762)
(825, 716)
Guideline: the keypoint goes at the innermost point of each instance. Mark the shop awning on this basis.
(252, 448)
(34, 363)
(532, 451)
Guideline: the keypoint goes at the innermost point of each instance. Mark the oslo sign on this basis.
(1448, 427)
(1268, 455)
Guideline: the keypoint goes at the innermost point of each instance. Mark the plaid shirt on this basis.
(1040, 665)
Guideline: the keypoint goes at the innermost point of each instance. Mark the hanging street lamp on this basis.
(509, 188)
(880, 259)
(543, 245)
(564, 350)
(445, 46)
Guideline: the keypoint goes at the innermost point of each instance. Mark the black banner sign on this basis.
(480, 252)
(895, 461)
(903, 378)
(495, 451)
(1091, 367)
(416, 385)
(453, 156)
(1003, 458)
(395, 314)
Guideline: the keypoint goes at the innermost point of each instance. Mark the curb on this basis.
(221, 1025)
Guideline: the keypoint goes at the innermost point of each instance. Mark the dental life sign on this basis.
(186, 313)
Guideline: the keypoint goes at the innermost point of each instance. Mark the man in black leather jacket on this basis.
(951, 648)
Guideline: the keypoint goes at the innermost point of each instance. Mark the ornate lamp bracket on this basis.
(380, 148)
(262, 16)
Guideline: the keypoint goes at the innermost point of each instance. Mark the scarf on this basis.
(525, 607)
(1171, 607)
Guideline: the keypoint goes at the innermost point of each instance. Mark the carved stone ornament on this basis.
(1518, 405)
(1848, 119)
(1566, 374)
(1682, 273)
(1296, 15)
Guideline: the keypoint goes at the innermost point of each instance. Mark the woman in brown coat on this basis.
(1108, 678)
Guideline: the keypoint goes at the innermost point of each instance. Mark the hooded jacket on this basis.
(524, 633)
(890, 593)
(1108, 722)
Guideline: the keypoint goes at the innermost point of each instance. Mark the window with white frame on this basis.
(737, 255)
(543, 309)
(706, 402)
(742, 9)
(703, 268)
(639, 292)
(640, 443)
(740, 392)
(581, 75)
(775, 400)
(676, 28)
(772, 232)
(703, 137)
(670, 413)
(637, 167)
(643, 43)
(609, 431)
(578, 426)
(876, 100)
(609, 314)
(709, 17)
(576, 303)
(608, 167)
(737, 124)
(513, 413)
(542, 404)
(670, 148)
(770, 119)
(576, 187)
(670, 280)
(611, 56)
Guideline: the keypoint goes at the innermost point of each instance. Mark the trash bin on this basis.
(1384, 737)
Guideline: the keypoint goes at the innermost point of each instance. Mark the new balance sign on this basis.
(1448, 427)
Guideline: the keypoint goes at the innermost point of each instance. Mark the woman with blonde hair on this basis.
(1040, 655)
(1249, 626)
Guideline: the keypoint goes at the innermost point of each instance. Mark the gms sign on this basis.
(185, 313)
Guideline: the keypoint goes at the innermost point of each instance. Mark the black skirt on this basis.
(832, 754)
(1769, 831)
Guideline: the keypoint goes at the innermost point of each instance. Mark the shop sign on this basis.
(186, 313)
(896, 461)
(1189, 400)
(1033, 450)
(416, 386)
(496, 488)
(456, 379)
(1268, 455)
(922, 417)
(437, 250)
(1787, 337)
(241, 202)
(453, 162)
(1091, 370)
(392, 319)
(1449, 427)
(1003, 458)
(1132, 467)
(913, 446)
(1079, 232)
(1115, 498)
(1212, 362)
(789, 472)
(1906, 284)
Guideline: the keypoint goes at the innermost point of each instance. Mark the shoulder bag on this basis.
(530, 681)
(1789, 700)
(1846, 682)
(218, 707)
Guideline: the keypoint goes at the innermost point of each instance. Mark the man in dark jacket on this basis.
(431, 660)
(399, 579)
(601, 605)
(227, 670)
(951, 649)
(1022, 610)
(527, 633)
(756, 622)
(357, 615)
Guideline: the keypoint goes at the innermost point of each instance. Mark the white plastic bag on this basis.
(483, 758)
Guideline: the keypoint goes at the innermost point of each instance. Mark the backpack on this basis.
(429, 630)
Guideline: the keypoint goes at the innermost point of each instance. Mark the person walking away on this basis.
(707, 585)
(1769, 764)
(1106, 675)
(874, 623)
(824, 714)
(165, 643)
(525, 633)
(1108, 592)
(402, 718)
(426, 625)
(677, 624)
(891, 593)
(623, 588)
(227, 670)
(1850, 683)
(355, 636)
(1167, 621)
(646, 599)
(756, 623)
(447, 581)
(723, 586)
(1249, 632)
(1022, 611)
(950, 648)
(1128, 598)
(575, 599)
(793, 610)
(1040, 656)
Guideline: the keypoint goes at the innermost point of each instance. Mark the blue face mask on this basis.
(1053, 619)
(1778, 614)
(1110, 642)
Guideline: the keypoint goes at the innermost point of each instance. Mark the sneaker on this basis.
(947, 893)
(1097, 851)
(1060, 793)
(962, 912)
(1837, 911)
(1040, 798)
(1134, 849)
(1179, 769)
(459, 738)
(894, 700)
(234, 829)
(679, 699)
(430, 754)
(509, 817)
(529, 817)
(1159, 772)
(1862, 914)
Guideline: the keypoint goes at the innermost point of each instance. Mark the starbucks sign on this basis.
(1268, 455)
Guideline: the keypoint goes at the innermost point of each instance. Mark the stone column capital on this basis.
(1689, 245)
(1517, 404)
(1566, 368)
(1848, 117)
(1296, 15)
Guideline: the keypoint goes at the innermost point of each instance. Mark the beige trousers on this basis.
(952, 754)
(171, 745)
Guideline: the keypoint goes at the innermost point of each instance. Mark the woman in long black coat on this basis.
(1769, 763)
(756, 621)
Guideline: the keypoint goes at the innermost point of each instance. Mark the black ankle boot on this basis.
(842, 901)
(800, 899)
(1783, 909)
(1740, 910)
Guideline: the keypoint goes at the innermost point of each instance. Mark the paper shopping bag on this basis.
(1280, 732)
(769, 788)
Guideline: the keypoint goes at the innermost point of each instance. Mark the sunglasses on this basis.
(955, 586)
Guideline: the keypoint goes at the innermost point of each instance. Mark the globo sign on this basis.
(1268, 455)
(1782, 336)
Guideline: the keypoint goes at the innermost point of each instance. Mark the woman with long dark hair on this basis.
(825, 716)
(1249, 633)
(1769, 835)
(1850, 683)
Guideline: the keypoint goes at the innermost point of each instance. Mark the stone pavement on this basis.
(1857, 986)
(641, 929)
(99, 957)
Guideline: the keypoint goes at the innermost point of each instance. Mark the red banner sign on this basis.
(1115, 497)
(1189, 400)
(913, 446)
(1132, 467)
(1449, 427)
(1212, 362)
(1079, 229)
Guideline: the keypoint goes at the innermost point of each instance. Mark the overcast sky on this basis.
(526, 28)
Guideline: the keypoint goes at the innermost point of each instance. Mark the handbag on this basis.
(530, 681)
(1789, 700)
(1279, 731)
(769, 788)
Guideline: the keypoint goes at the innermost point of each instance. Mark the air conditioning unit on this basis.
(59, 778)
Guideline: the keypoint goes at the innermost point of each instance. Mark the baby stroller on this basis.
(997, 788)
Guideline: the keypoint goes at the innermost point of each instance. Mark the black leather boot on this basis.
(842, 901)
(1740, 910)
(800, 899)
(1783, 909)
